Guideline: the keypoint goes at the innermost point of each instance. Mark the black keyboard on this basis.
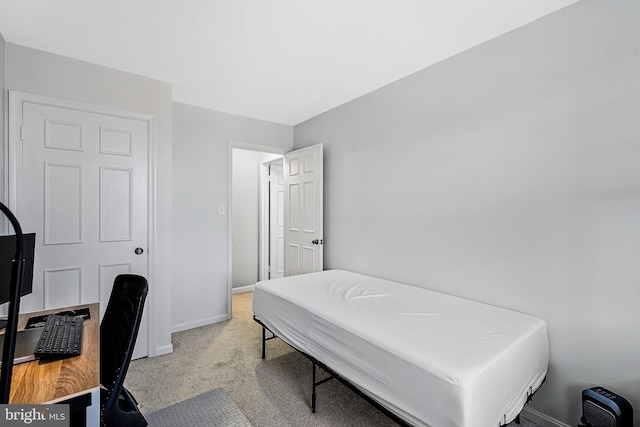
(61, 337)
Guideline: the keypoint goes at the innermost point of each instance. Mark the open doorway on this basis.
(293, 198)
(255, 212)
(249, 216)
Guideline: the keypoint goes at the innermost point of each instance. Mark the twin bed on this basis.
(425, 358)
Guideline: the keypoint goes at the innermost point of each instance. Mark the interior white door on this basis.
(303, 222)
(276, 222)
(83, 191)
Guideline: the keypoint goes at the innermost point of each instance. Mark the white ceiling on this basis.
(278, 60)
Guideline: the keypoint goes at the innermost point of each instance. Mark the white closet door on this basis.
(83, 191)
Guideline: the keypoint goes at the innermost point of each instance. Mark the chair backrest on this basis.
(119, 330)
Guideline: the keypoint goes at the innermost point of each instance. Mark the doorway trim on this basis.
(13, 166)
(231, 145)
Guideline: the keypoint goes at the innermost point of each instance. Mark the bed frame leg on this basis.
(265, 338)
(313, 389)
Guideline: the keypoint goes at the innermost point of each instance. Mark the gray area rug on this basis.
(211, 408)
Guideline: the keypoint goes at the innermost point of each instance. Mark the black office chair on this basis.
(118, 332)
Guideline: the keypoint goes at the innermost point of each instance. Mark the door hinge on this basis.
(21, 133)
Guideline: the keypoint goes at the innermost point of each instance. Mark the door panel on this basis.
(303, 228)
(83, 191)
(62, 204)
(116, 186)
(62, 287)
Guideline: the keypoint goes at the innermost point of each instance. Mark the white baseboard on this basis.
(165, 349)
(242, 289)
(541, 419)
(198, 323)
(210, 320)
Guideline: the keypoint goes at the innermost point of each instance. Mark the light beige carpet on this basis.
(275, 392)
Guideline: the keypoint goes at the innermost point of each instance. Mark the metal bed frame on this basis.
(315, 363)
(333, 375)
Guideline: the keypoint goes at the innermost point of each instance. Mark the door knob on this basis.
(318, 242)
(138, 251)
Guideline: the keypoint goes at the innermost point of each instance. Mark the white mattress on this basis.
(433, 359)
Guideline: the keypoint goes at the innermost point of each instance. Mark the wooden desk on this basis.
(61, 381)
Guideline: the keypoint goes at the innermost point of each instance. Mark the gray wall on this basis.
(43, 73)
(191, 176)
(508, 174)
(200, 183)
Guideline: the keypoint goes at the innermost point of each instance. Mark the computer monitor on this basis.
(7, 253)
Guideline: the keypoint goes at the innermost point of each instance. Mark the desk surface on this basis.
(59, 380)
